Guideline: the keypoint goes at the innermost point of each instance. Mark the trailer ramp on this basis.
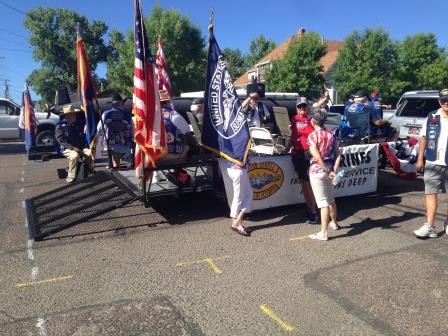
(76, 205)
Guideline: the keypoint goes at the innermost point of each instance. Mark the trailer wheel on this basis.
(45, 138)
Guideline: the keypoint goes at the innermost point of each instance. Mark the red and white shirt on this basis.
(326, 144)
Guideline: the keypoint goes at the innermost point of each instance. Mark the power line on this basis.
(12, 33)
(13, 8)
(13, 42)
(13, 71)
(18, 50)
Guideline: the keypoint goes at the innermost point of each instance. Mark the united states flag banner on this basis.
(225, 130)
(149, 131)
(88, 94)
(29, 118)
(162, 70)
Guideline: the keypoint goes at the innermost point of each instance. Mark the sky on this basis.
(236, 23)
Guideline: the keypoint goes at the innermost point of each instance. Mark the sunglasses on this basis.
(444, 101)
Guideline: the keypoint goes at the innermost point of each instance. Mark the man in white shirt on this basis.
(177, 129)
(433, 145)
(257, 113)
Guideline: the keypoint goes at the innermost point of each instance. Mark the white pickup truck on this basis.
(412, 110)
(10, 118)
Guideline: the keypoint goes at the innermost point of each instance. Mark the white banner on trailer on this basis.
(275, 182)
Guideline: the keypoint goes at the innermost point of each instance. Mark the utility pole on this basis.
(6, 89)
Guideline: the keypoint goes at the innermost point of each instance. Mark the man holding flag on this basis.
(149, 126)
(225, 131)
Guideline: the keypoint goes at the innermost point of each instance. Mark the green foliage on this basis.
(236, 62)
(53, 36)
(300, 69)
(258, 48)
(368, 61)
(120, 63)
(182, 44)
(423, 65)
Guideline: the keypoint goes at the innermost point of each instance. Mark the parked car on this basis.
(413, 108)
(9, 119)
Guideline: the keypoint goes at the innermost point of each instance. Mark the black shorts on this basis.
(301, 163)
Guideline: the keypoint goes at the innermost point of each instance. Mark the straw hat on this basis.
(163, 95)
(67, 109)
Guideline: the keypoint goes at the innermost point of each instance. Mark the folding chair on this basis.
(263, 142)
(333, 120)
(358, 127)
(283, 121)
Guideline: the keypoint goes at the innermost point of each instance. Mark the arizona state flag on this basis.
(29, 119)
(88, 93)
(225, 130)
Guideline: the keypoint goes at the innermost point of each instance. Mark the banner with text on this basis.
(275, 182)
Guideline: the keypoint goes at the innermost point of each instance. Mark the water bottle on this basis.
(338, 177)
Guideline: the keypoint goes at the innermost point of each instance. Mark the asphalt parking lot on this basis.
(177, 268)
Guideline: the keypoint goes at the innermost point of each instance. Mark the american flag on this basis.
(162, 70)
(149, 126)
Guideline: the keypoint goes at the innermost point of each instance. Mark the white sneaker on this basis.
(318, 236)
(445, 226)
(426, 231)
(334, 225)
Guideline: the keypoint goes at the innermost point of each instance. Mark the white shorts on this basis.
(323, 189)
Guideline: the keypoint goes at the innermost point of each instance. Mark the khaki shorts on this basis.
(323, 189)
(436, 178)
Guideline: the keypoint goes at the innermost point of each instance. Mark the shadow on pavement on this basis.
(190, 207)
(384, 223)
(12, 148)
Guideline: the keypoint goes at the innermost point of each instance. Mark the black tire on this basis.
(45, 138)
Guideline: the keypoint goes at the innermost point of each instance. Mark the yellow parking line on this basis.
(209, 261)
(285, 326)
(213, 266)
(298, 238)
(41, 282)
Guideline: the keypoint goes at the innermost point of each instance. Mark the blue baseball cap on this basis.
(301, 101)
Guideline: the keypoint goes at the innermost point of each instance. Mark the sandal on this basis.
(240, 230)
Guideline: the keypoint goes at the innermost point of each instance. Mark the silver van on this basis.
(412, 110)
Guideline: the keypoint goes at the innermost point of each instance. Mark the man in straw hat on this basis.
(70, 135)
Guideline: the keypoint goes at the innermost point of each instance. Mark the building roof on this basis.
(327, 60)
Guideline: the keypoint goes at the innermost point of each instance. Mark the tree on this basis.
(368, 61)
(183, 46)
(236, 62)
(258, 48)
(120, 63)
(423, 65)
(300, 69)
(53, 36)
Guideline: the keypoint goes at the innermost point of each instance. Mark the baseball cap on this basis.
(116, 98)
(443, 94)
(198, 101)
(361, 94)
(301, 101)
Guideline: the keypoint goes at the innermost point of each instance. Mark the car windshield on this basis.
(419, 107)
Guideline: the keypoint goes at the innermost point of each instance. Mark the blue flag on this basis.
(225, 130)
(29, 120)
